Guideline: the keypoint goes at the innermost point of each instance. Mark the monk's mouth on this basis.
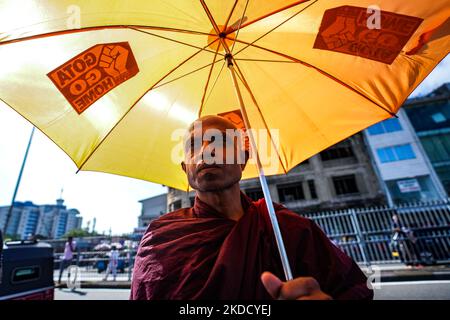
(208, 166)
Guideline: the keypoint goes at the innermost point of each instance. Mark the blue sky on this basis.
(113, 200)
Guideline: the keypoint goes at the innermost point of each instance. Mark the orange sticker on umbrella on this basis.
(93, 73)
(235, 117)
(345, 29)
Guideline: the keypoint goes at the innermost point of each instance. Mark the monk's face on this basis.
(214, 158)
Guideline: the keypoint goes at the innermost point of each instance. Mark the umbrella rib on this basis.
(265, 60)
(87, 29)
(214, 84)
(272, 13)
(246, 85)
(229, 15)
(129, 109)
(207, 82)
(262, 116)
(276, 27)
(186, 74)
(239, 27)
(210, 17)
(320, 71)
(177, 41)
(216, 29)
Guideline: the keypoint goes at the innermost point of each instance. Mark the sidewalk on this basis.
(388, 273)
(401, 272)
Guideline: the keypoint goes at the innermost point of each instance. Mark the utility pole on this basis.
(10, 210)
(93, 224)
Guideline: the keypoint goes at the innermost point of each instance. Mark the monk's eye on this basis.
(191, 147)
(224, 138)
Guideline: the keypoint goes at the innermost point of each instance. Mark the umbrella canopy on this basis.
(106, 246)
(117, 245)
(102, 247)
(112, 82)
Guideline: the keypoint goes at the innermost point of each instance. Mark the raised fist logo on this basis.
(114, 60)
(91, 74)
(354, 30)
(340, 32)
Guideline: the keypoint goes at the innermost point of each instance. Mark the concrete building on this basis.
(50, 221)
(430, 118)
(401, 162)
(152, 208)
(338, 177)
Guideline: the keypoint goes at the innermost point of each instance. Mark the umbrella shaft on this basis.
(262, 179)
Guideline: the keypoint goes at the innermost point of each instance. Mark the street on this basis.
(415, 290)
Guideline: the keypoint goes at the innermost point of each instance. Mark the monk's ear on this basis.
(183, 166)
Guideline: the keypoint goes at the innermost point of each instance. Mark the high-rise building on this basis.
(401, 162)
(152, 208)
(430, 117)
(51, 221)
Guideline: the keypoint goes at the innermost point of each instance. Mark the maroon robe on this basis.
(197, 253)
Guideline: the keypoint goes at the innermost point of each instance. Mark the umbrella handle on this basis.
(262, 178)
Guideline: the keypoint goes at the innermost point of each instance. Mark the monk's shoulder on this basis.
(286, 216)
(177, 214)
(164, 224)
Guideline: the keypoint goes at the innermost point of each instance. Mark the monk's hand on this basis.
(302, 288)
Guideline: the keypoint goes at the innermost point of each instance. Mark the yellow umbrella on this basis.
(112, 82)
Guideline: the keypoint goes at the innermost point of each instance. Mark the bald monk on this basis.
(224, 246)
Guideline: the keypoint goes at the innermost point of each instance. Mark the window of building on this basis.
(437, 147)
(438, 117)
(412, 189)
(192, 201)
(345, 185)
(423, 119)
(342, 150)
(175, 205)
(312, 189)
(291, 192)
(395, 153)
(386, 126)
(404, 152)
(254, 194)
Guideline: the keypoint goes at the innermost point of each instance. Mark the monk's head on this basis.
(215, 155)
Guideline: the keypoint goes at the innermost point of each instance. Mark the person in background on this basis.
(67, 258)
(113, 263)
(409, 252)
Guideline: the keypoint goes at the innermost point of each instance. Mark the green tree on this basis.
(11, 237)
(77, 233)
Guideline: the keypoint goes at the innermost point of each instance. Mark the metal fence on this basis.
(93, 266)
(368, 235)
(421, 235)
